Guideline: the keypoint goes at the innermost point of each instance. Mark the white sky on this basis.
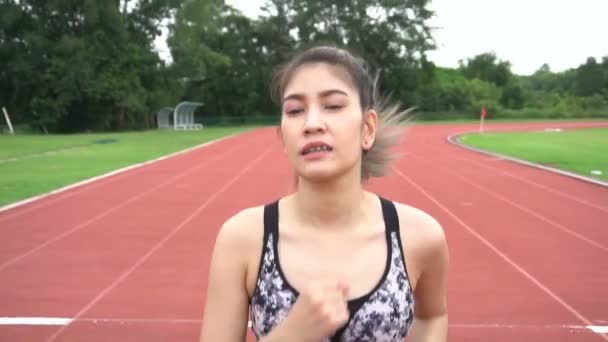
(528, 33)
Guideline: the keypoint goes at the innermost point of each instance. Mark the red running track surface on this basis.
(126, 257)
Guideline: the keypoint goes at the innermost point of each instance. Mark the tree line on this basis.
(92, 65)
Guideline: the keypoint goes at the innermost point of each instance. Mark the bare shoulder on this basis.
(226, 298)
(419, 225)
(424, 241)
(244, 229)
(240, 239)
(425, 246)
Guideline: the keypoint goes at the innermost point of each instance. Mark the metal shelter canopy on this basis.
(163, 118)
(183, 116)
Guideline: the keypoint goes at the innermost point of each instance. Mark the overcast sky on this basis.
(528, 33)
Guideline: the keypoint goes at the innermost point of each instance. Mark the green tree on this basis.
(222, 58)
(487, 67)
(392, 36)
(589, 78)
(80, 64)
(512, 96)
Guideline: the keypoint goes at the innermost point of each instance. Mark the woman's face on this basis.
(322, 124)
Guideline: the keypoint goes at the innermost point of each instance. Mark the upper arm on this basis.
(431, 290)
(431, 259)
(226, 306)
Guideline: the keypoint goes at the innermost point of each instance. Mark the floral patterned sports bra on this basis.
(385, 314)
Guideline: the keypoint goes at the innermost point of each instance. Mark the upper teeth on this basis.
(317, 149)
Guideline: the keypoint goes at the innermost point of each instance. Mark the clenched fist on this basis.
(321, 309)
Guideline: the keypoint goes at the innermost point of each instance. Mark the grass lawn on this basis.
(35, 164)
(579, 150)
(422, 121)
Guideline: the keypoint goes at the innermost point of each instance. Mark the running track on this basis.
(126, 257)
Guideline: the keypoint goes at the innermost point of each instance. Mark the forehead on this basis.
(313, 78)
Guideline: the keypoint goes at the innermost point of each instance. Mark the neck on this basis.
(331, 205)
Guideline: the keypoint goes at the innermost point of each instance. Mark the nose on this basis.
(314, 122)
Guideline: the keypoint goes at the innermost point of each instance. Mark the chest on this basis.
(358, 260)
(381, 314)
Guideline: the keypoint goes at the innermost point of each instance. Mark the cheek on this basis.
(351, 128)
(288, 138)
(350, 136)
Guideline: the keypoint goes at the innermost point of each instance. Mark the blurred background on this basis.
(110, 205)
(111, 65)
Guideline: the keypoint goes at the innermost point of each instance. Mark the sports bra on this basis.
(384, 314)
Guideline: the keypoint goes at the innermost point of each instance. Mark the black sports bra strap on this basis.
(271, 219)
(391, 219)
(271, 216)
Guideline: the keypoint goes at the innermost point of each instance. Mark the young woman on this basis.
(330, 262)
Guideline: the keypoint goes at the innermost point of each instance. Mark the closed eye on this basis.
(294, 111)
(334, 107)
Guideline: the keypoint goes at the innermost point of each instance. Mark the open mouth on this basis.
(321, 148)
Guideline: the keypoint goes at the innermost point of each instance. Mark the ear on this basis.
(369, 129)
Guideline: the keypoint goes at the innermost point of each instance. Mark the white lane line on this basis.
(97, 180)
(162, 242)
(45, 321)
(498, 252)
(34, 321)
(599, 329)
(115, 208)
(530, 212)
(454, 139)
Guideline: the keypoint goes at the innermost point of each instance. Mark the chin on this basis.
(317, 177)
(321, 175)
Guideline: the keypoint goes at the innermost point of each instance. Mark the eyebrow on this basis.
(323, 94)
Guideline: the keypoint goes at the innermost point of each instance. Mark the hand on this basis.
(321, 309)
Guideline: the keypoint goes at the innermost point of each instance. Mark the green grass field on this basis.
(580, 151)
(35, 164)
(424, 122)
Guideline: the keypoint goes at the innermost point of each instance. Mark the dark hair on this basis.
(376, 160)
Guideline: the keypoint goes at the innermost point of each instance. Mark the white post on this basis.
(8, 120)
(175, 118)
